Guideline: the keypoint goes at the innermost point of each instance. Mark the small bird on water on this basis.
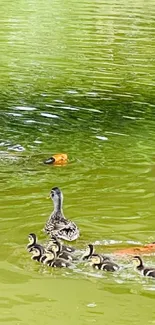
(144, 270)
(57, 224)
(100, 263)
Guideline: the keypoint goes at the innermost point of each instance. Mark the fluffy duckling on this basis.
(99, 263)
(56, 246)
(146, 271)
(50, 259)
(90, 251)
(57, 224)
(33, 242)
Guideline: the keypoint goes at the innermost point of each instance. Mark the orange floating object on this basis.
(147, 249)
(57, 159)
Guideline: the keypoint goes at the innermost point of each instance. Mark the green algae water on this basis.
(77, 77)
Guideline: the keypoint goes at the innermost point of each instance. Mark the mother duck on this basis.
(57, 224)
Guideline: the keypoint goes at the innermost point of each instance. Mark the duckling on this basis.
(32, 241)
(37, 252)
(56, 246)
(98, 262)
(50, 259)
(57, 224)
(90, 251)
(146, 271)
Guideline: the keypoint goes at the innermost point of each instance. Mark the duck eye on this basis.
(52, 194)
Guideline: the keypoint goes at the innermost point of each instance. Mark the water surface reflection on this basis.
(78, 78)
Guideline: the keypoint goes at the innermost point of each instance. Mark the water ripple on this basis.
(74, 74)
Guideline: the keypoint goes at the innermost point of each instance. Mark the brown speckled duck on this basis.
(57, 224)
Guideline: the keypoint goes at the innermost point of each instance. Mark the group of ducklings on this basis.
(56, 254)
(52, 254)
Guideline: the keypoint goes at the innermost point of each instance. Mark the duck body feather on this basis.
(101, 262)
(56, 246)
(65, 256)
(50, 259)
(60, 263)
(147, 271)
(68, 249)
(61, 227)
(106, 266)
(37, 252)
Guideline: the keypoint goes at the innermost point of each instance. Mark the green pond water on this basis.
(77, 77)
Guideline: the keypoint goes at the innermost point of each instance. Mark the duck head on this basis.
(32, 239)
(137, 261)
(57, 198)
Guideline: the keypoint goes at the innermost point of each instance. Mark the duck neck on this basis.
(91, 247)
(140, 266)
(49, 258)
(37, 257)
(34, 241)
(58, 205)
(89, 252)
(40, 252)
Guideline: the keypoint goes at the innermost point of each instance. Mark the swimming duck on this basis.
(57, 224)
(33, 241)
(146, 271)
(56, 246)
(98, 262)
(57, 159)
(90, 251)
(50, 259)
